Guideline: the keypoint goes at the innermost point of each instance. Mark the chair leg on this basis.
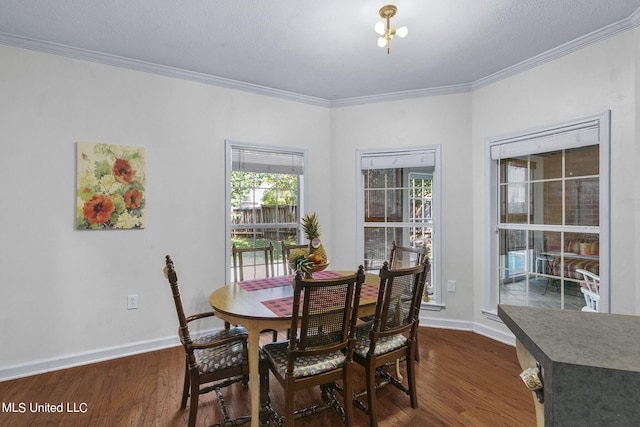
(193, 409)
(289, 420)
(371, 393)
(264, 390)
(185, 388)
(347, 385)
(411, 374)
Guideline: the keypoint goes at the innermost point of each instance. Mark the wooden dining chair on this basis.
(319, 350)
(213, 361)
(406, 256)
(391, 336)
(285, 251)
(238, 265)
(258, 253)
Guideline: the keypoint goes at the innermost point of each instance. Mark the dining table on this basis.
(267, 304)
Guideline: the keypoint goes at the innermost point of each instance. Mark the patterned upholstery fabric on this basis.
(304, 366)
(221, 357)
(571, 264)
(384, 345)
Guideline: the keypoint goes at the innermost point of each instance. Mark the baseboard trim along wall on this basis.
(495, 334)
(79, 359)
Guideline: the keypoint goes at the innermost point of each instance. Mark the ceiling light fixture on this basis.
(386, 33)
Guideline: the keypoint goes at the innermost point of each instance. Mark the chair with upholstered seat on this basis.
(319, 350)
(391, 336)
(590, 288)
(212, 361)
(286, 250)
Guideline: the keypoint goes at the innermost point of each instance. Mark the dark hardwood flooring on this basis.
(464, 379)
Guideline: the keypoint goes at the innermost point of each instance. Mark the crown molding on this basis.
(118, 61)
(562, 50)
(395, 96)
(162, 70)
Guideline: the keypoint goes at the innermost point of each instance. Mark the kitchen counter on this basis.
(590, 363)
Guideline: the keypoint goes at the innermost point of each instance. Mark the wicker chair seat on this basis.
(384, 345)
(305, 366)
(225, 356)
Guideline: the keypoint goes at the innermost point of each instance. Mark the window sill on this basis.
(432, 306)
(492, 315)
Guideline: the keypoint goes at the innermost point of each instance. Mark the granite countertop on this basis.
(590, 363)
(602, 340)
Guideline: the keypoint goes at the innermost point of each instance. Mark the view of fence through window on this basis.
(264, 209)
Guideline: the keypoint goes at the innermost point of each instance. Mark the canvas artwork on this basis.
(111, 187)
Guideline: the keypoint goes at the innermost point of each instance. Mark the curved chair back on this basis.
(405, 256)
(590, 288)
(260, 255)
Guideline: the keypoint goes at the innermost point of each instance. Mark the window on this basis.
(399, 201)
(264, 188)
(550, 212)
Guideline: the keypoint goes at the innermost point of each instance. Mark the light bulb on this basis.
(402, 31)
(382, 42)
(379, 28)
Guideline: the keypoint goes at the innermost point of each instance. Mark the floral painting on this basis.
(111, 187)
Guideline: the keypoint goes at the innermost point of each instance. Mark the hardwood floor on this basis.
(464, 379)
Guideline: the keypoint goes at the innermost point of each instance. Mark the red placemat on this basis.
(283, 307)
(275, 282)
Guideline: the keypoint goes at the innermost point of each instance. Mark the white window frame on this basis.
(302, 190)
(395, 159)
(545, 142)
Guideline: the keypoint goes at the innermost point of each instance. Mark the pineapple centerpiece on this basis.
(317, 254)
(299, 260)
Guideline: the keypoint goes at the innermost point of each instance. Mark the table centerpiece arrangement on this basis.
(315, 258)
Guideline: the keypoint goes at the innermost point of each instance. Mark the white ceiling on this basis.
(317, 51)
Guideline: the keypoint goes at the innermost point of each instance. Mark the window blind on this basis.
(579, 135)
(253, 159)
(398, 159)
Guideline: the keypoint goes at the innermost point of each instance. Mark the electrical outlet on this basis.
(451, 285)
(132, 302)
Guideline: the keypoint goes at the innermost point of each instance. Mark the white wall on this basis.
(592, 80)
(438, 120)
(63, 293)
(597, 78)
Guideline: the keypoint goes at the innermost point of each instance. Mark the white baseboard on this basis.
(435, 322)
(503, 337)
(79, 359)
(495, 334)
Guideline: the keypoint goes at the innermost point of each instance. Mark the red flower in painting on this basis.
(122, 171)
(133, 198)
(98, 210)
